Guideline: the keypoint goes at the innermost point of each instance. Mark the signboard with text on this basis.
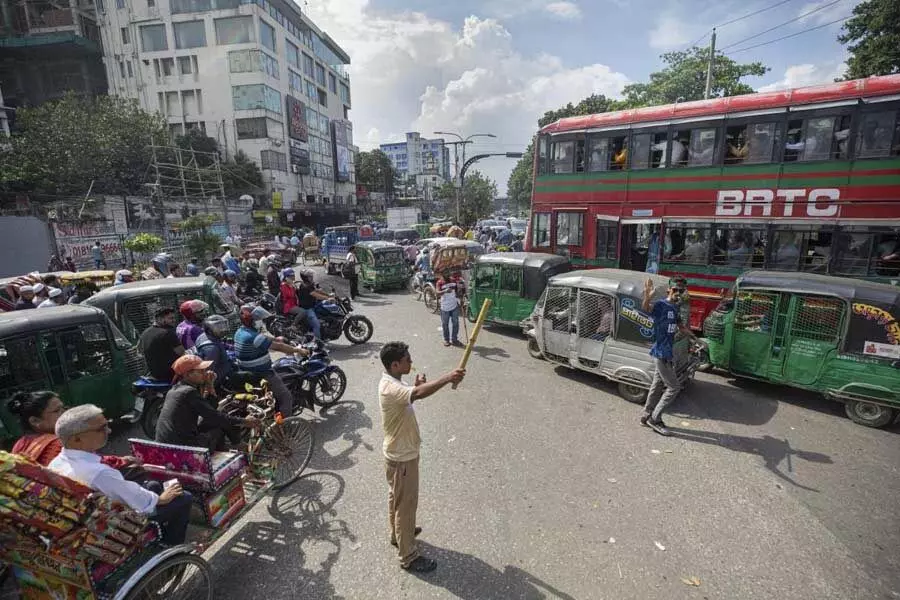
(298, 129)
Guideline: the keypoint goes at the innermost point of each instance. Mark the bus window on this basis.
(749, 144)
(569, 228)
(563, 157)
(618, 150)
(785, 251)
(541, 235)
(579, 156)
(801, 249)
(640, 150)
(851, 253)
(886, 260)
(879, 135)
(598, 154)
(542, 155)
(701, 148)
(607, 239)
(739, 247)
(689, 245)
(819, 138)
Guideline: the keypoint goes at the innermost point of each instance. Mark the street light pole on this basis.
(462, 142)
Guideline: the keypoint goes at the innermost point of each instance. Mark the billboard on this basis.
(296, 115)
(298, 155)
(342, 136)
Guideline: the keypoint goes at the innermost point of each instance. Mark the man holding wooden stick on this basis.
(401, 447)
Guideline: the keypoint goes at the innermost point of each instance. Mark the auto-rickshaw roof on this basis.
(613, 281)
(849, 289)
(18, 322)
(377, 246)
(528, 260)
(137, 289)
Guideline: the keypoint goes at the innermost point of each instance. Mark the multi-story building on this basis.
(48, 49)
(427, 161)
(258, 76)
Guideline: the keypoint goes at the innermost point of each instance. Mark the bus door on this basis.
(640, 245)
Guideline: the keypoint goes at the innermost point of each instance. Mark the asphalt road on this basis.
(538, 482)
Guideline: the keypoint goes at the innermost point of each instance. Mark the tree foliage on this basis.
(684, 79)
(240, 175)
(61, 146)
(476, 201)
(873, 35)
(375, 172)
(144, 243)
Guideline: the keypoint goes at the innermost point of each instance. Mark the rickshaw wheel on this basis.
(184, 576)
(868, 414)
(430, 298)
(286, 450)
(632, 393)
(534, 350)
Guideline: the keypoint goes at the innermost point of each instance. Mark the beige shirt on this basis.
(401, 430)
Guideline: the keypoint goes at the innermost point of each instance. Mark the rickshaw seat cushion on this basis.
(196, 468)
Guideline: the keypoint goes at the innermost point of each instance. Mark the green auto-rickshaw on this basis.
(837, 336)
(382, 265)
(73, 350)
(513, 281)
(131, 306)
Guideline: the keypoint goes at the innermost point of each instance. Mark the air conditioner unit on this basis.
(295, 168)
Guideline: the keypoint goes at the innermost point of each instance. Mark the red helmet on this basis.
(194, 310)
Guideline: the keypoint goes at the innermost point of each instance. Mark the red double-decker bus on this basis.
(799, 180)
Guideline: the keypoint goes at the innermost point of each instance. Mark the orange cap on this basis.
(187, 363)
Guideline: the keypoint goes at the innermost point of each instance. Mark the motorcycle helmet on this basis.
(161, 259)
(251, 314)
(306, 275)
(215, 326)
(288, 273)
(194, 310)
(230, 275)
(210, 271)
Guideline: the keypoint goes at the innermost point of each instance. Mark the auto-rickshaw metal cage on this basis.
(818, 318)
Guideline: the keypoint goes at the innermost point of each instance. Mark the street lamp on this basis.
(463, 142)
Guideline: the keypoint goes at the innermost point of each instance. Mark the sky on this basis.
(495, 66)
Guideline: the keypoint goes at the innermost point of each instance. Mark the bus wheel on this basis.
(632, 393)
(868, 414)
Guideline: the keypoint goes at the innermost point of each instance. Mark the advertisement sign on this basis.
(298, 155)
(342, 162)
(874, 330)
(298, 128)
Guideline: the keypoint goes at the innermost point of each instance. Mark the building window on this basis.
(254, 97)
(569, 228)
(125, 39)
(251, 129)
(129, 69)
(165, 67)
(332, 83)
(189, 34)
(267, 35)
(153, 38)
(151, 3)
(120, 3)
(345, 93)
(184, 65)
(274, 161)
(323, 98)
(249, 61)
(189, 6)
(293, 54)
(234, 30)
(320, 75)
(122, 69)
(296, 83)
(308, 65)
(311, 91)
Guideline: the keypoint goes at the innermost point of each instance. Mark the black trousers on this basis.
(354, 286)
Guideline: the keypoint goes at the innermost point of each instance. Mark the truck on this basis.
(337, 241)
(403, 218)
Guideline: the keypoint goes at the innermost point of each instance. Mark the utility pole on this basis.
(711, 64)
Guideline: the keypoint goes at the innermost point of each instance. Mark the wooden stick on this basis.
(485, 308)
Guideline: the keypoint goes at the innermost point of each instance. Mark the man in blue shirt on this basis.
(666, 323)
(251, 349)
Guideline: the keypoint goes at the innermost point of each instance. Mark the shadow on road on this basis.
(344, 421)
(470, 578)
(490, 353)
(717, 401)
(772, 450)
(367, 350)
(287, 549)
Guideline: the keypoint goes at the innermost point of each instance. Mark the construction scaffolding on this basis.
(189, 175)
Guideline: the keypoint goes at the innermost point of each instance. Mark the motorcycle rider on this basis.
(423, 269)
(193, 311)
(252, 346)
(158, 267)
(253, 281)
(123, 276)
(211, 346)
(229, 288)
(273, 281)
(307, 296)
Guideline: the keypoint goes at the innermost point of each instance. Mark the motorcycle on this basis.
(149, 395)
(335, 319)
(313, 380)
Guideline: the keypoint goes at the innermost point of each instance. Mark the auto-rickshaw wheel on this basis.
(183, 576)
(868, 414)
(534, 350)
(632, 393)
(430, 298)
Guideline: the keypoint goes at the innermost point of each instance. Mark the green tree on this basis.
(476, 201)
(205, 149)
(375, 172)
(60, 147)
(873, 35)
(684, 79)
(240, 175)
(144, 243)
(200, 241)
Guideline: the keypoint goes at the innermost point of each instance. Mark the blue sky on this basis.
(496, 65)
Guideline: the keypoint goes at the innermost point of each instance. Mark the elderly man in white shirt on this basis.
(83, 430)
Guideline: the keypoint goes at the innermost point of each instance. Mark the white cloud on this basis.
(564, 10)
(414, 73)
(672, 32)
(805, 75)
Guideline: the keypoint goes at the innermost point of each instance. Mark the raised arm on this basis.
(648, 292)
(423, 389)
